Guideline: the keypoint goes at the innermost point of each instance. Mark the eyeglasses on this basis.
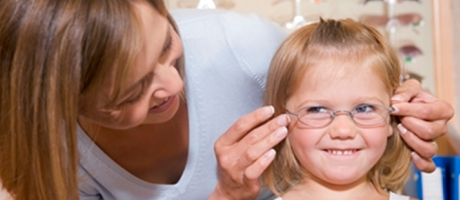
(414, 20)
(362, 115)
(410, 52)
(398, 1)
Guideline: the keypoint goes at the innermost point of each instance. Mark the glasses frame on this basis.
(334, 113)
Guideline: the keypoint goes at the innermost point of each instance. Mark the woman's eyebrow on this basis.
(167, 42)
(135, 85)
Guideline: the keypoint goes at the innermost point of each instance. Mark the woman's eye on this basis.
(167, 48)
(135, 99)
(364, 108)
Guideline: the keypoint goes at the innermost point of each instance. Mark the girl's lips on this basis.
(163, 106)
(342, 152)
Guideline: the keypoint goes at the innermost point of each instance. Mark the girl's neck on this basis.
(314, 188)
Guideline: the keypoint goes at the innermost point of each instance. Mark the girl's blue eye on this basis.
(364, 108)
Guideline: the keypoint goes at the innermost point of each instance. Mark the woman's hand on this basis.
(424, 118)
(245, 151)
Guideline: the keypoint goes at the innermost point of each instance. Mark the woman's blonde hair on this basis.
(52, 52)
(342, 41)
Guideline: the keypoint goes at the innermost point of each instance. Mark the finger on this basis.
(244, 125)
(425, 149)
(408, 90)
(424, 165)
(262, 131)
(255, 151)
(438, 110)
(237, 155)
(254, 171)
(425, 130)
(258, 135)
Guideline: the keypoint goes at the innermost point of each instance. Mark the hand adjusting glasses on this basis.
(363, 115)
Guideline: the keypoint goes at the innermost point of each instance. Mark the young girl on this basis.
(336, 78)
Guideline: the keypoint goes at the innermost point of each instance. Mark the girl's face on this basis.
(154, 84)
(342, 152)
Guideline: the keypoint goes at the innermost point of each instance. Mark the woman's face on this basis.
(154, 84)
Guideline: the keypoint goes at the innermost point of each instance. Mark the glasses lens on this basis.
(365, 115)
(369, 115)
(409, 19)
(315, 116)
(375, 20)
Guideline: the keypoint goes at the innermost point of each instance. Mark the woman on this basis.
(114, 67)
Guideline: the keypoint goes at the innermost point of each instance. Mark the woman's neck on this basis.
(156, 153)
(172, 131)
(314, 188)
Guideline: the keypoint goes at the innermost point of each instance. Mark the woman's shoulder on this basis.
(228, 41)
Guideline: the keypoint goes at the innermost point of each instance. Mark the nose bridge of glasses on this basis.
(344, 128)
(342, 112)
(350, 114)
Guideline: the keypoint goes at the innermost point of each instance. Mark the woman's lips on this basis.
(163, 106)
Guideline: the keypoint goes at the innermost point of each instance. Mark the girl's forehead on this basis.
(331, 69)
(334, 73)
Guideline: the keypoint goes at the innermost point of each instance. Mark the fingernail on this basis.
(269, 110)
(288, 119)
(283, 121)
(281, 132)
(401, 129)
(268, 157)
(415, 156)
(270, 154)
(396, 98)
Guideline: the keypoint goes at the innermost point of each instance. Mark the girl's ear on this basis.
(390, 132)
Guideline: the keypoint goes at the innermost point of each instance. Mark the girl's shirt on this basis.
(393, 196)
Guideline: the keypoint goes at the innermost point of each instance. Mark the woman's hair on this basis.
(333, 41)
(51, 53)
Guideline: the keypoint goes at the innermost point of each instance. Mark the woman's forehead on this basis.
(154, 31)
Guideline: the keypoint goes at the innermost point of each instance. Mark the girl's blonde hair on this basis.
(341, 41)
(52, 52)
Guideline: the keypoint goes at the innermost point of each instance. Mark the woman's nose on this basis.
(168, 82)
